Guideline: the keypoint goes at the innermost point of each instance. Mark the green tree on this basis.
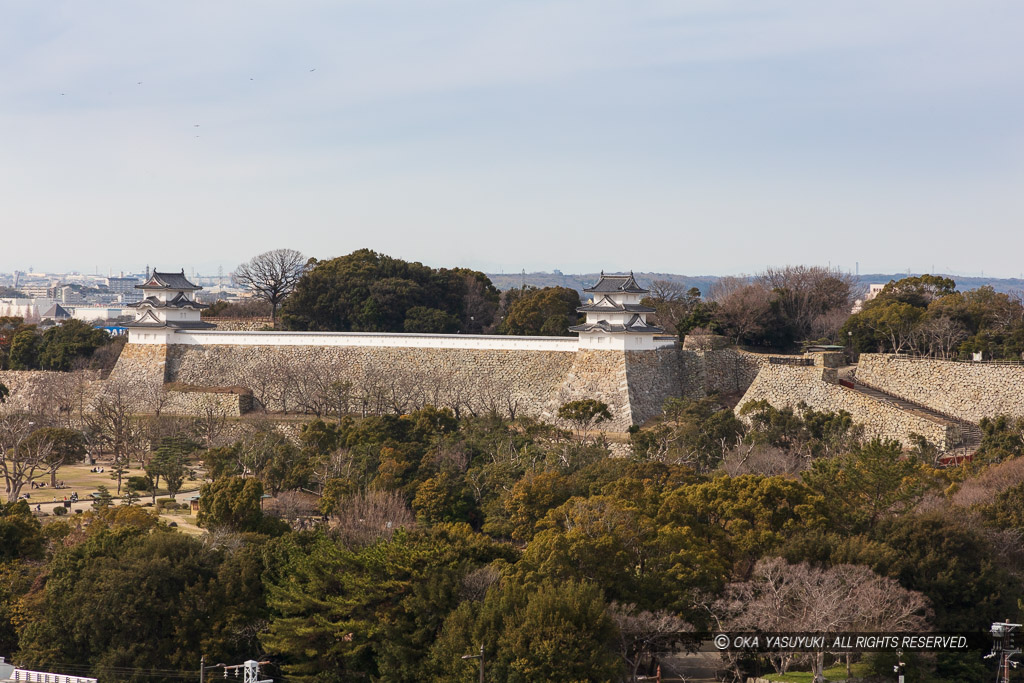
(102, 499)
(169, 461)
(24, 353)
(554, 632)
(20, 533)
(423, 319)
(917, 291)
(130, 599)
(869, 483)
(744, 517)
(370, 292)
(68, 342)
(546, 312)
(584, 414)
(443, 498)
(232, 503)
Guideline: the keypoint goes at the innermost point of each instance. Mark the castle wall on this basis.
(143, 363)
(373, 379)
(723, 371)
(651, 377)
(969, 391)
(787, 385)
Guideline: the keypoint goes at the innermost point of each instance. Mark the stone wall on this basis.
(241, 324)
(787, 385)
(651, 377)
(141, 363)
(191, 402)
(969, 391)
(41, 391)
(724, 371)
(386, 379)
(634, 384)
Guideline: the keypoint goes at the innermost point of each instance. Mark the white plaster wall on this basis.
(378, 339)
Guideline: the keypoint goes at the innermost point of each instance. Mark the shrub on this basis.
(60, 511)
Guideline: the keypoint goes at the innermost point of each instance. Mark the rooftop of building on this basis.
(616, 283)
(176, 281)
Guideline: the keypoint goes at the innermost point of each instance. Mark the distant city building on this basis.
(9, 672)
(616, 319)
(57, 313)
(873, 291)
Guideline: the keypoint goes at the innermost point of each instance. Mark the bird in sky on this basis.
(312, 70)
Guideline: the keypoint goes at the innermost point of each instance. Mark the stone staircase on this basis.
(970, 433)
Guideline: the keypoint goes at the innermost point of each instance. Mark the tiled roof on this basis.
(635, 324)
(617, 283)
(180, 301)
(606, 305)
(168, 281)
(173, 324)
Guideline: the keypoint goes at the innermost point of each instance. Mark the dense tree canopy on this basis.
(370, 292)
(547, 312)
(397, 544)
(925, 315)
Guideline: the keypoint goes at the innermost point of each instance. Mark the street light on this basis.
(481, 658)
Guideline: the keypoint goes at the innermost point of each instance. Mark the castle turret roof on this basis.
(617, 283)
(176, 281)
(635, 324)
(179, 301)
(607, 305)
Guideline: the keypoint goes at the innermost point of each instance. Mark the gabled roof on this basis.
(168, 281)
(606, 305)
(179, 301)
(57, 312)
(617, 283)
(635, 324)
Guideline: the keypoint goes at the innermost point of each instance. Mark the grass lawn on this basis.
(78, 478)
(835, 673)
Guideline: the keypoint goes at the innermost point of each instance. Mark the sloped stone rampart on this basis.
(725, 371)
(190, 403)
(969, 391)
(43, 391)
(143, 363)
(651, 377)
(386, 379)
(787, 385)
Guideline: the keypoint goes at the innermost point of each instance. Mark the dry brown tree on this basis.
(272, 276)
(20, 457)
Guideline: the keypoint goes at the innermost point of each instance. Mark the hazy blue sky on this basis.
(686, 136)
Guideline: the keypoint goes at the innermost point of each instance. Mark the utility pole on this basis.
(481, 658)
(1005, 647)
(250, 670)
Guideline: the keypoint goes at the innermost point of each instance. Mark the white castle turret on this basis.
(616, 319)
(166, 306)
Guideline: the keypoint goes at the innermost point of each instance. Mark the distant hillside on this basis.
(578, 282)
(505, 281)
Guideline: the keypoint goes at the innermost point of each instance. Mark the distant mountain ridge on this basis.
(580, 281)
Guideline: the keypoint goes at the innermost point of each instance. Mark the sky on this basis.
(684, 136)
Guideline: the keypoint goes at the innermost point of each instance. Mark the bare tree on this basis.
(367, 517)
(940, 337)
(805, 293)
(784, 597)
(743, 307)
(20, 457)
(272, 276)
(112, 423)
(644, 634)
